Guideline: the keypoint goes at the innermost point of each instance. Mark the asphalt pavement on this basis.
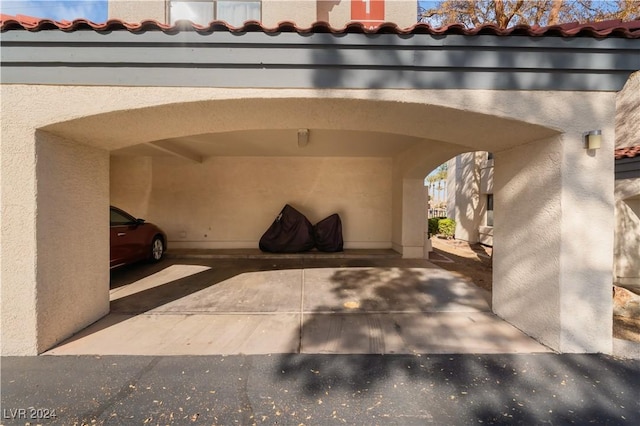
(308, 389)
(306, 341)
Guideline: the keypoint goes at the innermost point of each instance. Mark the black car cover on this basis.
(328, 234)
(291, 232)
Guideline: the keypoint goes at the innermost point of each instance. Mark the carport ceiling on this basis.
(322, 143)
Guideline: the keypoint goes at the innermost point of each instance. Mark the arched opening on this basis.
(214, 173)
(410, 137)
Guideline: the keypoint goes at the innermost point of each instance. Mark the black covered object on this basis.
(328, 234)
(291, 232)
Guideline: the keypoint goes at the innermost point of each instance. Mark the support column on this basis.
(465, 206)
(55, 242)
(413, 218)
(18, 237)
(553, 241)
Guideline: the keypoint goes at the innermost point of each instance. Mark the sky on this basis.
(93, 10)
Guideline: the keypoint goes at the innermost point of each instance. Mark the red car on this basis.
(134, 239)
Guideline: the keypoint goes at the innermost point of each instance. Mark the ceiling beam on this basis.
(170, 148)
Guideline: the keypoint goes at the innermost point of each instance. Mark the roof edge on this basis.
(603, 29)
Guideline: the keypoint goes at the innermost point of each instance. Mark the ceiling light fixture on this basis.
(303, 137)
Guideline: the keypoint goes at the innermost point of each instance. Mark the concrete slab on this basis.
(264, 291)
(271, 306)
(390, 290)
(406, 333)
(184, 334)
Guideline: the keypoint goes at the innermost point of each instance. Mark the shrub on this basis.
(433, 225)
(447, 227)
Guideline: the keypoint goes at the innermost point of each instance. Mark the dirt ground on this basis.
(473, 263)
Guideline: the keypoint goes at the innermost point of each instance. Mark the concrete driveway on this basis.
(251, 303)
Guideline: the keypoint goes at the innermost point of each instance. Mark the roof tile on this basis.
(614, 28)
(627, 152)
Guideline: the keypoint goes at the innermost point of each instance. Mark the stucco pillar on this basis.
(466, 209)
(627, 223)
(55, 239)
(553, 240)
(413, 218)
(18, 241)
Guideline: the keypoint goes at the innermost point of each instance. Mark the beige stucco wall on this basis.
(561, 258)
(469, 180)
(54, 197)
(465, 203)
(526, 237)
(628, 113)
(627, 191)
(403, 13)
(138, 10)
(627, 221)
(72, 213)
(229, 202)
(545, 246)
(302, 12)
(338, 12)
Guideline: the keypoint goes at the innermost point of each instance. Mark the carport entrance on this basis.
(540, 162)
(361, 303)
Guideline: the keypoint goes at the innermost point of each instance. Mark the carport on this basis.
(197, 131)
(230, 302)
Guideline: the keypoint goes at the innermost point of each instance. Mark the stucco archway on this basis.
(406, 137)
(432, 125)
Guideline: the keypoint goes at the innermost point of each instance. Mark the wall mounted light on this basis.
(594, 139)
(303, 137)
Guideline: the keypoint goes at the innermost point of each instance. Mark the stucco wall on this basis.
(465, 204)
(469, 180)
(337, 13)
(130, 184)
(302, 12)
(55, 278)
(628, 113)
(403, 13)
(627, 193)
(229, 202)
(544, 247)
(138, 10)
(72, 217)
(527, 244)
(627, 243)
(575, 261)
(18, 230)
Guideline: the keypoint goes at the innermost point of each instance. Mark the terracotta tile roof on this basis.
(614, 28)
(627, 152)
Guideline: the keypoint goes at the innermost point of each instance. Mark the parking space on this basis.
(299, 304)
